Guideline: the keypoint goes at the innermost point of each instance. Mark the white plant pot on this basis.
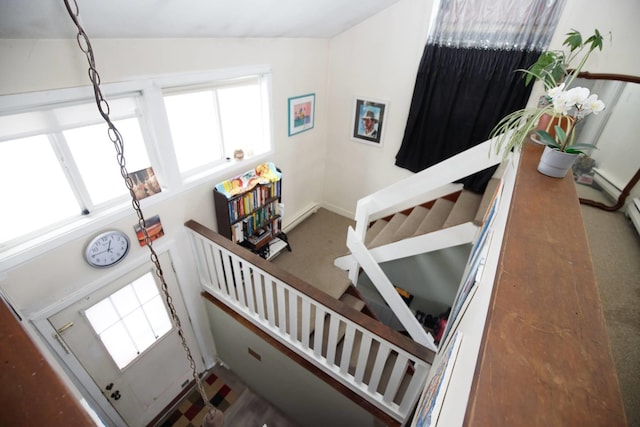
(555, 163)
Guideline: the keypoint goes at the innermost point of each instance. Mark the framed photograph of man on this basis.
(301, 113)
(368, 121)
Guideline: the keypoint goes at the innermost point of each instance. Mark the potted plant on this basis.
(560, 108)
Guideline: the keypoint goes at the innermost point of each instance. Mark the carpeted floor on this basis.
(615, 250)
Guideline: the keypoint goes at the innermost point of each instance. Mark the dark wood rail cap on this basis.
(545, 358)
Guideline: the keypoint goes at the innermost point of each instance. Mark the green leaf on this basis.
(583, 146)
(546, 138)
(561, 135)
(573, 40)
(595, 40)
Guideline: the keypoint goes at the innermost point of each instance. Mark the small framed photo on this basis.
(302, 110)
(368, 121)
(145, 183)
(154, 230)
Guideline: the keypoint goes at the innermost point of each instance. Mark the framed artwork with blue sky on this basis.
(301, 113)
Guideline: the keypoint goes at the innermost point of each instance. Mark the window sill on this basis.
(18, 254)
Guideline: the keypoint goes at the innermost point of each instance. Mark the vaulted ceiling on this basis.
(186, 18)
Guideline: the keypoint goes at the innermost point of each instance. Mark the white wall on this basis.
(379, 59)
(298, 66)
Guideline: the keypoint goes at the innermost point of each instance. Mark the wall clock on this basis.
(107, 249)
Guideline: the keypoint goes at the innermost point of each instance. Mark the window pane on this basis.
(125, 301)
(125, 325)
(145, 288)
(241, 116)
(139, 328)
(157, 315)
(95, 157)
(117, 341)
(194, 129)
(102, 315)
(34, 186)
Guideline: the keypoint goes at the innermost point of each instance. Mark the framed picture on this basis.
(145, 183)
(368, 121)
(154, 230)
(302, 110)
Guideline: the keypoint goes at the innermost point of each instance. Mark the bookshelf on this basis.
(249, 210)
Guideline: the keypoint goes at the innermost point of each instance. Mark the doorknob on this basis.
(116, 395)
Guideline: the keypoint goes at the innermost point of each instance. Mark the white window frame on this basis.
(157, 135)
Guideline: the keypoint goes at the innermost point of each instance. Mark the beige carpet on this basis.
(615, 250)
(315, 243)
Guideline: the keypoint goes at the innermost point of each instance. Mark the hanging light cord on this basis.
(116, 138)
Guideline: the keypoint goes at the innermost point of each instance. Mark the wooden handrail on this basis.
(545, 357)
(295, 282)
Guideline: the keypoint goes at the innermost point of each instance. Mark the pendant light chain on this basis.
(116, 138)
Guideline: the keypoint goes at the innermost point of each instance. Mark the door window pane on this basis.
(130, 320)
(35, 192)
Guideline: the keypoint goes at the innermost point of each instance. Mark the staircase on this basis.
(461, 207)
(420, 214)
(382, 368)
(379, 366)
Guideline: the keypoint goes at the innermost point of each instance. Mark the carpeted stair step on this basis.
(352, 302)
(464, 210)
(386, 373)
(374, 230)
(436, 217)
(489, 193)
(386, 235)
(411, 224)
(337, 287)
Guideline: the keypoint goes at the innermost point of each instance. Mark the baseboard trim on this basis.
(607, 185)
(338, 210)
(301, 216)
(633, 212)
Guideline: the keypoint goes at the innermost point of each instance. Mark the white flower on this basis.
(575, 102)
(555, 91)
(594, 104)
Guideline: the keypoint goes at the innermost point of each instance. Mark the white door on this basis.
(123, 337)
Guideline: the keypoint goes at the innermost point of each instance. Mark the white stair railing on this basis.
(427, 185)
(265, 300)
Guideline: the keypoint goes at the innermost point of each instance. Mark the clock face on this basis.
(107, 249)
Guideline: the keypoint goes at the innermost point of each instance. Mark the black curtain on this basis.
(459, 96)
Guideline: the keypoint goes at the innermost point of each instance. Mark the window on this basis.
(130, 320)
(59, 168)
(209, 123)
(58, 163)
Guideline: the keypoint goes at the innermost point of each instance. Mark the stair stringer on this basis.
(388, 292)
(402, 194)
(425, 243)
